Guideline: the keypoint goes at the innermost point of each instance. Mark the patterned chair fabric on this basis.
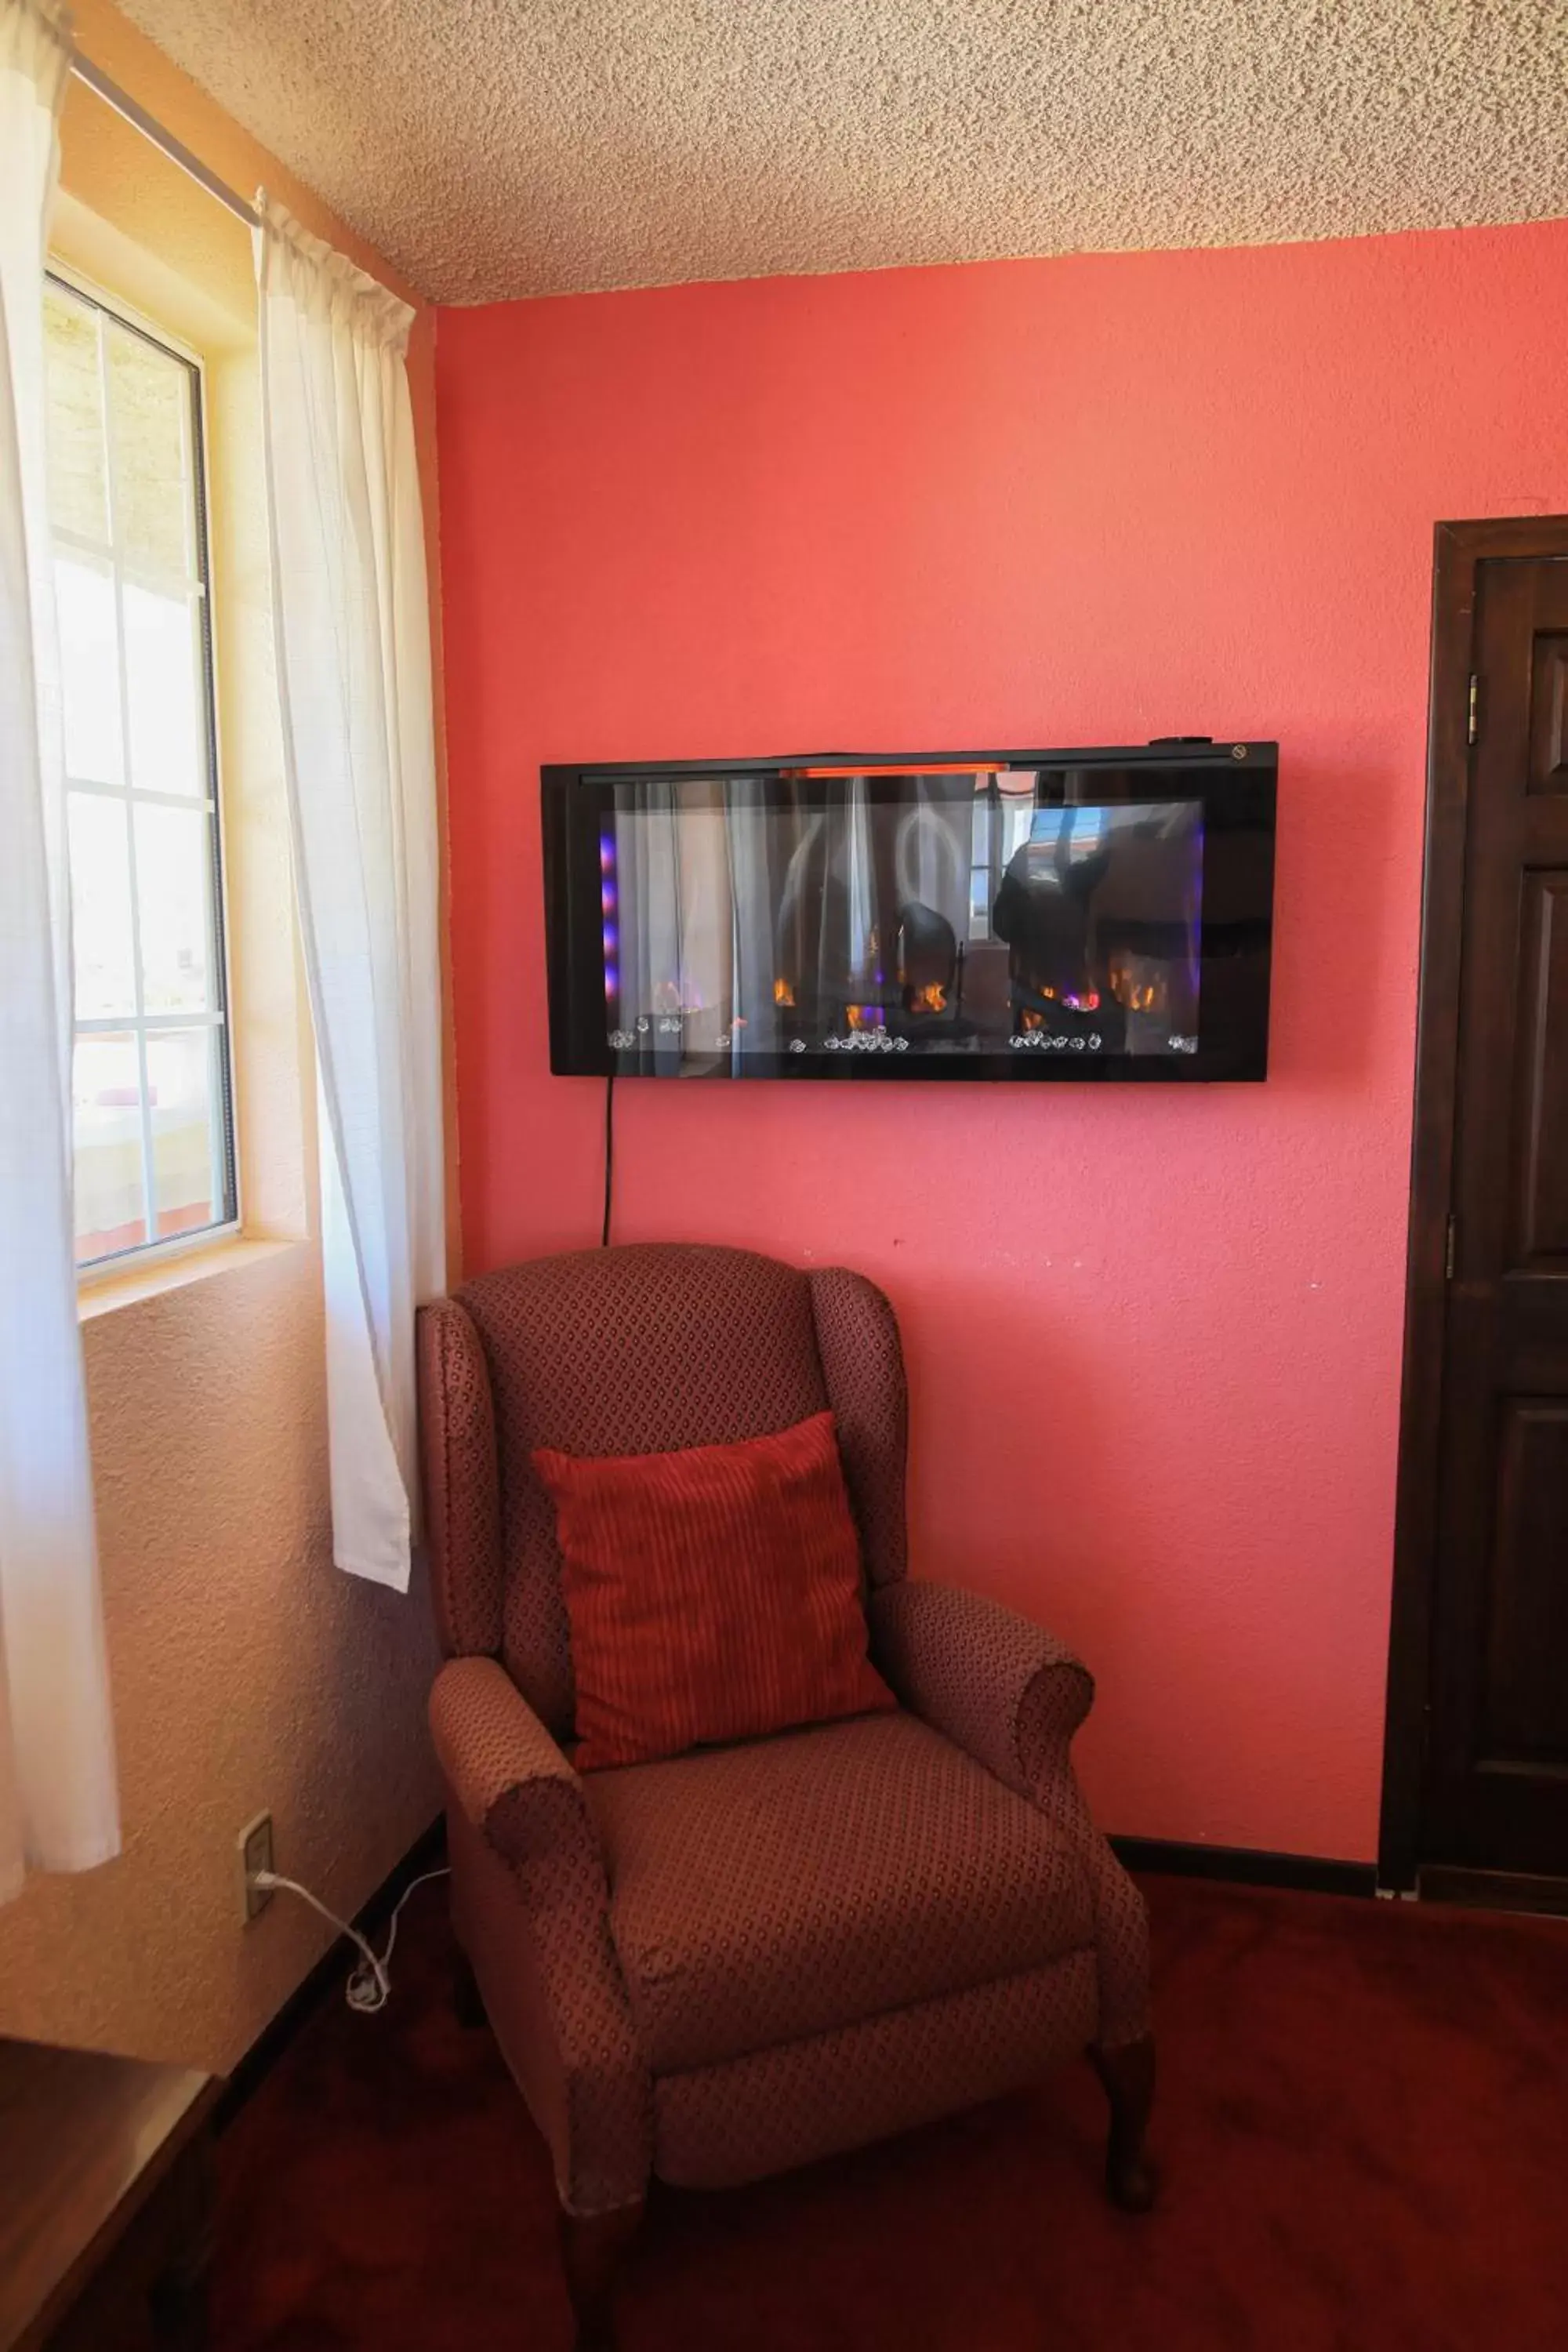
(926, 1876)
(644, 1350)
(732, 1961)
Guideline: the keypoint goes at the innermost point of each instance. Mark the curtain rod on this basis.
(137, 117)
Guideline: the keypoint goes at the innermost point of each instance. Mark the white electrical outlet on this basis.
(254, 1854)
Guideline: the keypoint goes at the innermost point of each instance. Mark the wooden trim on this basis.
(88, 2143)
(1493, 1890)
(1247, 1865)
(1458, 548)
(427, 1852)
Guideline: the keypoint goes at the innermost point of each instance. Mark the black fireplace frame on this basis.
(1237, 782)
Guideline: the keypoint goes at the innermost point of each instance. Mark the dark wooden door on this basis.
(1495, 1785)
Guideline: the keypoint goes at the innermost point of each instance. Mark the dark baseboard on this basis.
(1247, 1866)
(1492, 1890)
(327, 1975)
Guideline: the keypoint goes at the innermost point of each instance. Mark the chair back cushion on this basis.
(713, 1594)
(645, 1348)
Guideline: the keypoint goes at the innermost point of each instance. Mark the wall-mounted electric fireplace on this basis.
(1086, 914)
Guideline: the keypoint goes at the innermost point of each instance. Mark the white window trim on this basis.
(118, 1264)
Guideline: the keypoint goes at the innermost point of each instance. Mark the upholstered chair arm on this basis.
(503, 1768)
(1002, 1688)
(538, 1906)
(1012, 1696)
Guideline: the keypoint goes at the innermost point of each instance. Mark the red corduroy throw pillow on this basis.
(713, 1594)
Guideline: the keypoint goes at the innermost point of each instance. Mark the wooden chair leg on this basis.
(468, 2000)
(593, 2250)
(1128, 2076)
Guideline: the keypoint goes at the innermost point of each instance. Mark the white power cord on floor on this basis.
(369, 1987)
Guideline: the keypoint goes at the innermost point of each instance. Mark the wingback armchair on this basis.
(743, 1958)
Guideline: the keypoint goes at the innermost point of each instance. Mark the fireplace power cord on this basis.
(369, 1987)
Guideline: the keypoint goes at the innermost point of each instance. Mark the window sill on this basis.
(231, 1253)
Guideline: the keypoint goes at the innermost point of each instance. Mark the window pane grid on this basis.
(138, 794)
(102, 1026)
(153, 1106)
(149, 1175)
(141, 576)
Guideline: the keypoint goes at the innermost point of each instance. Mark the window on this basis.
(151, 1094)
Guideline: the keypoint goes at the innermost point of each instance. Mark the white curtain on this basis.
(352, 617)
(58, 1806)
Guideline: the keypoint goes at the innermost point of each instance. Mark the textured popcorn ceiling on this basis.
(492, 148)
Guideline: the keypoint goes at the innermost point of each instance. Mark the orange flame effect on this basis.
(1138, 996)
(783, 992)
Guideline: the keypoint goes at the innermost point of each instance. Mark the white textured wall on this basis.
(248, 1673)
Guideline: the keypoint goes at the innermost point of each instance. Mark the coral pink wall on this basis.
(1153, 1336)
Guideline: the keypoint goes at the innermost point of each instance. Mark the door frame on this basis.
(1457, 549)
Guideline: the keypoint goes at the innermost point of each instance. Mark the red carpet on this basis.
(1362, 2123)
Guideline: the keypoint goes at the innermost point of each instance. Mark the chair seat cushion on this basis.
(799, 1883)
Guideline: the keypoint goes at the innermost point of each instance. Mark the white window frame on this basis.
(137, 1025)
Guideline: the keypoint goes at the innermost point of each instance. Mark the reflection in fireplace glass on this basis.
(899, 912)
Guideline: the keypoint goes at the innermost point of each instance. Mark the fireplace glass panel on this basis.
(928, 913)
